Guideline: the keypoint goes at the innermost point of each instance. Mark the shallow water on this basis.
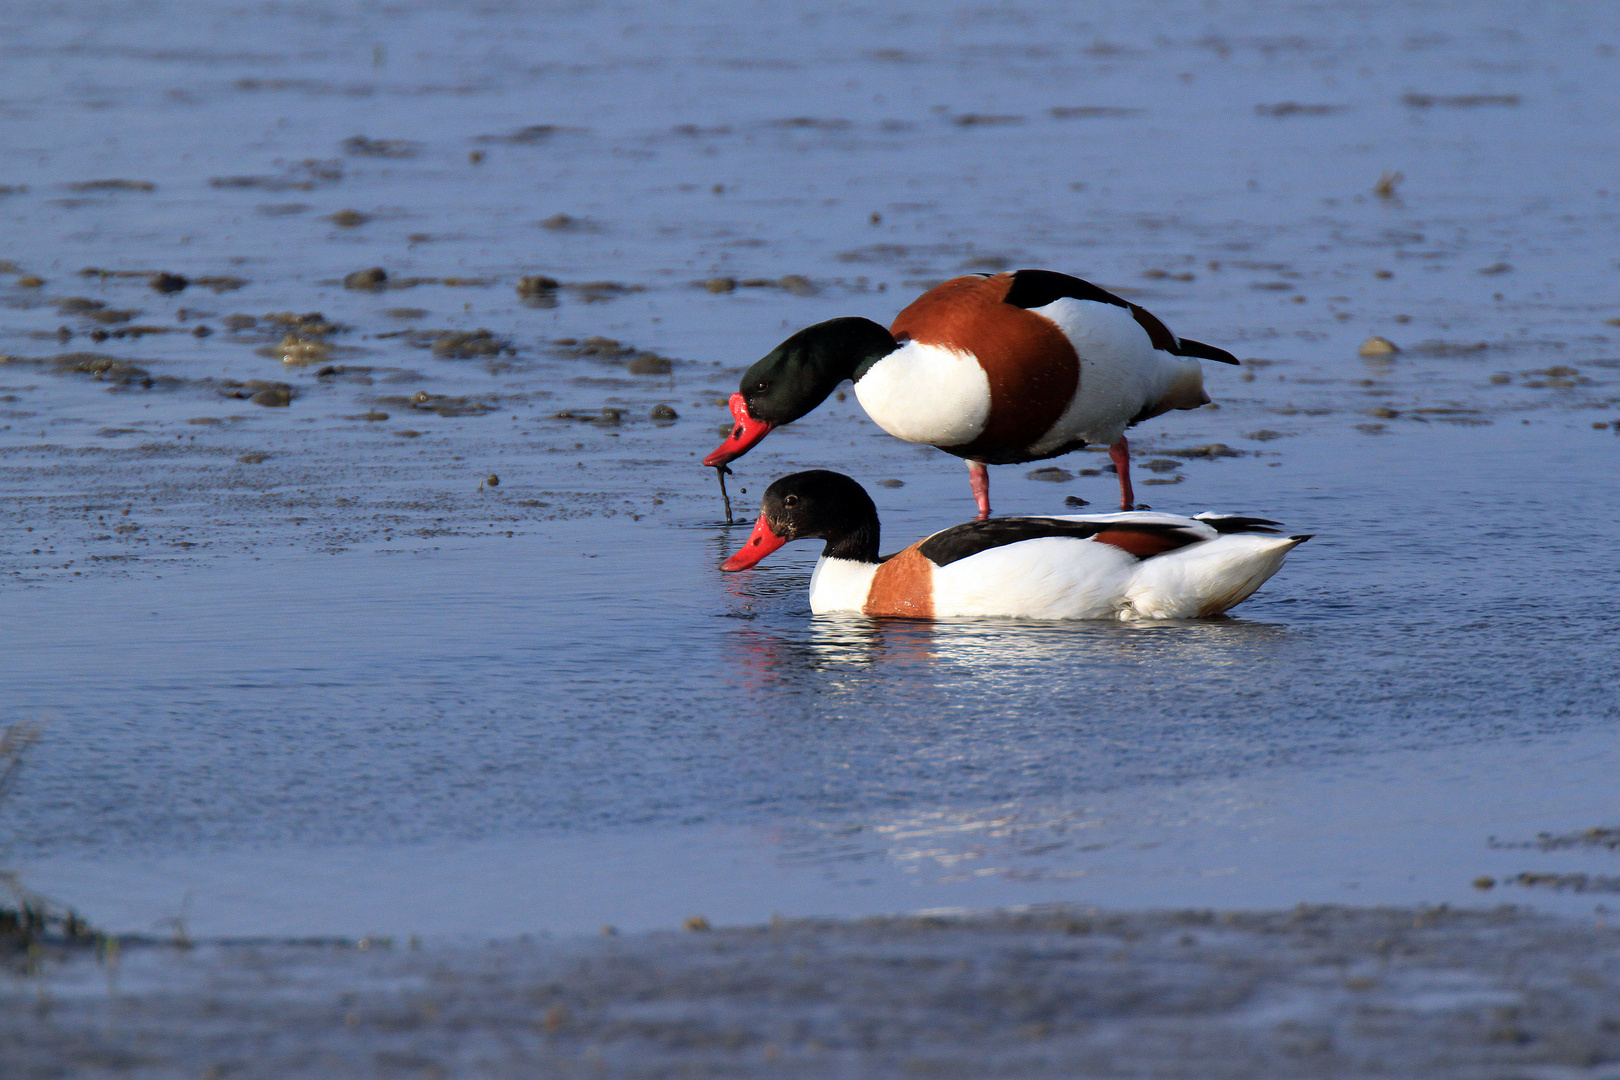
(346, 689)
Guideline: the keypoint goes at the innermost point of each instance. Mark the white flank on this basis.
(1120, 372)
(1207, 579)
(840, 585)
(927, 394)
(1052, 578)
(1063, 577)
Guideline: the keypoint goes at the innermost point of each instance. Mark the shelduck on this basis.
(1135, 565)
(995, 369)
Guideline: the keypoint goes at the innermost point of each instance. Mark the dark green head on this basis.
(798, 375)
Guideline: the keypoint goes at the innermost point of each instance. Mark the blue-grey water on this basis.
(344, 688)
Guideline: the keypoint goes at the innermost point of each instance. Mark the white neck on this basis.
(840, 585)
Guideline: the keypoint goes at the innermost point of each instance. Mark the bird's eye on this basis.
(791, 500)
(762, 387)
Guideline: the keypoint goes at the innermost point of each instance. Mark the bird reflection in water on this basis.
(851, 649)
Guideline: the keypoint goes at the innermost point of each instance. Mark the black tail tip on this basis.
(1301, 538)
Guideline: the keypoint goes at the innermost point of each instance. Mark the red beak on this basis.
(761, 542)
(744, 434)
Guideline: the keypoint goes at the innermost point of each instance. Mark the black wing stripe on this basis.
(1037, 288)
(1205, 352)
(1232, 523)
(971, 538)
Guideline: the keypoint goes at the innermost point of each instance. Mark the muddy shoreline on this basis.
(1317, 991)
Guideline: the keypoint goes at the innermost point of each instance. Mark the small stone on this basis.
(1051, 475)
(252, 459)
(463, 345)
(167, 283)
(663, 412)
(30, 281)
(1074, 500)
(1209, 451)
(697, 924)
(492, 480)
(1600, 425)
(721, 284)
(891, 483)
(1501, 378)
(649, 364)
(1378, 346)
(200, 331)
(240, 322)
(797, 284)
(537, 285)
(349, 219)
(1384, 413)
(1384, 274)
(1265, 435)
(374, 277)
(407, 433)
(475, 157)
(1161, 465)
(274, 398)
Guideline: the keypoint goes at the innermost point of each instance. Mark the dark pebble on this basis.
(349, 219)
(891, 483)
(168, 283)
(492, 480)
(200, 331)
(537, 285)
(1074, 500)
(650, 364)
(374, 277)
(253, 458)
(1161, 465)
(663, 412)
(1051, 475)
(276, 397)
(721, 284)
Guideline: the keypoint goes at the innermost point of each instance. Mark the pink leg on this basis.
(979, 477)
(1120, 454)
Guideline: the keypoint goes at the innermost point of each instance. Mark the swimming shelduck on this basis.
(1100, 566)
(995, 369)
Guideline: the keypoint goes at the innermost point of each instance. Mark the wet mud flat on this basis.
(353, 368)
(1059, 992)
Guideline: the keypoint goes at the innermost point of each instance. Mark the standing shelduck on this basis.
(1100, 566)
(996, 369)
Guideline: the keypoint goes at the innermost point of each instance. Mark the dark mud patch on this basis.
(531, 135)
(361, 146)
(441, 404)
(1050, 992)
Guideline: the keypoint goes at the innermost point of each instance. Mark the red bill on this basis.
(744, 433)
(761, 542)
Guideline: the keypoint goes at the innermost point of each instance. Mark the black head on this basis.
(821, 504)
(800, 373)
